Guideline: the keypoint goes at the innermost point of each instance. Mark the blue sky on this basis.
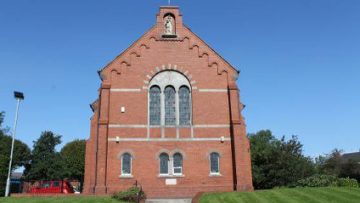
(299, 61)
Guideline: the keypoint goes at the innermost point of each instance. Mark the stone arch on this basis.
(213, 151)
(158, 70)
(167, 78)
(178, 151)
(129, 151)
(169, 14)
(157, 155)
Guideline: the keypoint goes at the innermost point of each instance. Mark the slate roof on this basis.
(353, 156)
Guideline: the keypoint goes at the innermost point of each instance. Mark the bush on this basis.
(132, 194)
(318, 181)
(327, 181)
(348, 182)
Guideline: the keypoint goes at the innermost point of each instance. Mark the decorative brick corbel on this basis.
(105, 86)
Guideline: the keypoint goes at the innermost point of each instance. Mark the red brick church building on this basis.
(168, 117)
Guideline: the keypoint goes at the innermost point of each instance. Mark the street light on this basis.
(18, 96)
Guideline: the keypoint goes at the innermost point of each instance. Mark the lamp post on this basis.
(18, 96)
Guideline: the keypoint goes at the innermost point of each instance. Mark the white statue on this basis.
(168, 26)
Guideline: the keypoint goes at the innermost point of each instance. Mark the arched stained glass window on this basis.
(170, 110)
(184, 105)
(178, 161)
(126, 164)
(169, 99)
(155, 104)
(214, 163)
(164, 163)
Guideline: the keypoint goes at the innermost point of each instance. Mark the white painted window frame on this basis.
(171, 168)
(181, 167)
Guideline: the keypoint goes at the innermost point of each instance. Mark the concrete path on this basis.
(168, 201)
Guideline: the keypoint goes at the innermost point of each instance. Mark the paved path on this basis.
(168, 201)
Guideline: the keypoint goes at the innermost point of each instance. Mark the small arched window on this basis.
(164, 164)
(126, 164)
(178, 162)
(214, 163)
(184, 105)
(170, 110)
(155, 112)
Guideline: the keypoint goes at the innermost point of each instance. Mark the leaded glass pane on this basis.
(170, 116)
(164, 160)
(177, 160)
(126, 164)
(155, 111)
(184, 105)
(214, 162)
(177, 163)
(178, 170)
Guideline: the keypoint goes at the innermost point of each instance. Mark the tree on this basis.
(73, 156)
(21, 154)
(350, 169)
(46, 163)
(2, 115)
(277, 162)
(330, 164)
(334, 164)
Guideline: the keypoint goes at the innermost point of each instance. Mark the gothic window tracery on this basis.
(169, 100)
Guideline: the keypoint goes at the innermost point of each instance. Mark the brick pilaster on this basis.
(102, 136)
(241, 146)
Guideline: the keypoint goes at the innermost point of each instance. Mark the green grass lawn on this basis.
(296, 195)
(72, 199)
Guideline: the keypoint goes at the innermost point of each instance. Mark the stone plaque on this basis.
(170, 181)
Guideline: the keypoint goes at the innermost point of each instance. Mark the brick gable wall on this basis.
(217, 124)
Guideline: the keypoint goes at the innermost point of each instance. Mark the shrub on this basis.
(132, 194)
(347, 182)
(327, 181)
(318, 181)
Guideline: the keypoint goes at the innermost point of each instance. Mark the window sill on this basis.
(126, 176)
(215, 175)
(171, 176)
(170, 126)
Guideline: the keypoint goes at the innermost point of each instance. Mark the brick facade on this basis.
(120, 123)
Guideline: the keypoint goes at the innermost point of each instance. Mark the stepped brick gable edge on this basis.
(168, 118)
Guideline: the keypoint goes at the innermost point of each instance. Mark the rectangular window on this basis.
(45, 185)
(177, 170)
(56, 184)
